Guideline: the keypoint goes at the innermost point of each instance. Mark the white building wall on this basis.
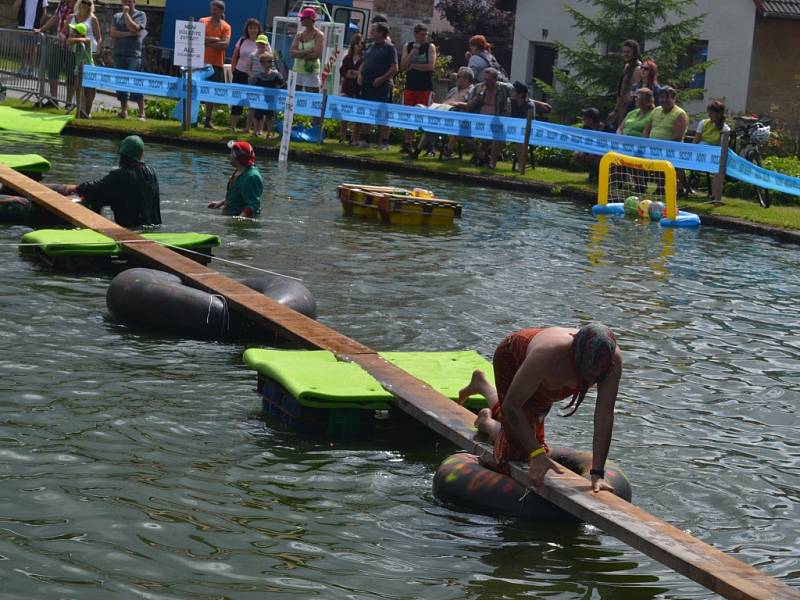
(728, 27)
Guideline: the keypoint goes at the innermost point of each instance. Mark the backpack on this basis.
(492, 62)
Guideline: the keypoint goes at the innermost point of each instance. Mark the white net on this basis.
(627, 181)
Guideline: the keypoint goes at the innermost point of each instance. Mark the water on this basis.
(134, 465)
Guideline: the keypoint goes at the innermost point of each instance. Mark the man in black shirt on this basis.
(375, 76)
(131, 190)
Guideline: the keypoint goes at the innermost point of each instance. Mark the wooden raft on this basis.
(396, 206)
(669, 545)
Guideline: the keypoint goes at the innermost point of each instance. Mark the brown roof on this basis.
(778, 9)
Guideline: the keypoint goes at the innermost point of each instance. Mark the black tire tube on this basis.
(462, 483)
(155, 300)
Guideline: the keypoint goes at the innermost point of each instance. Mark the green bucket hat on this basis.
(132, 147)
(80, 28)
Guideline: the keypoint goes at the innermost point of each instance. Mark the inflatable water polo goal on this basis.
(647, 188)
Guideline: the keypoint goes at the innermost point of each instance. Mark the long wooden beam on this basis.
(669, 545)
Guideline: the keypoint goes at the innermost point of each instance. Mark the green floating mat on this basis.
(30, 163)
(86, 242)
(30, 121)
(315, 378)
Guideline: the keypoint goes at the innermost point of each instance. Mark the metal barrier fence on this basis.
(38, 66)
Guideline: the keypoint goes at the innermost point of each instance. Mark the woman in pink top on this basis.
(240, 62)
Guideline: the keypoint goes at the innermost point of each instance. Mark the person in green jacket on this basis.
(245, 186)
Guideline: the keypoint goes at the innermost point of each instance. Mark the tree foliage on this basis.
(478, 17)
(594, 65)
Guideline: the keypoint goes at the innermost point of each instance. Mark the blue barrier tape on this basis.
(696, 157)
(744, 170)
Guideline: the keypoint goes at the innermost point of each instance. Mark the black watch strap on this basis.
(599, 472)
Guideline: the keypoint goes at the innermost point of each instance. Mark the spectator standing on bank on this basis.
(521, 104)
(590, 162)
(56, 55)
(628, 81)
(30, 14)
(306, 51)
(649, 79)
(128, 28)
(85, 51)
(241, 62)
(263, 74)
(480, 57)
(375, 77)
(418, 60)
(348, 75)
(218, 35)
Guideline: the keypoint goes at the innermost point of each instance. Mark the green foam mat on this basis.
(29, 121)
(86, 242)
(31, 163)
(70, 242)
(315, 378)
(184, 240)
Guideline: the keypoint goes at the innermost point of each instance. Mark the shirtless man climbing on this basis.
(533, 369)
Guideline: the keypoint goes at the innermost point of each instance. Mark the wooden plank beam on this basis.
(678, 550)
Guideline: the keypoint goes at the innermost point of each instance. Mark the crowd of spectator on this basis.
(643, 107)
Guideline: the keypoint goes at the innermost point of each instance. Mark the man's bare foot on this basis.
(476, 385)
(483, 419)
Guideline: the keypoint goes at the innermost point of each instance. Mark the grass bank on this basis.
(781, 221)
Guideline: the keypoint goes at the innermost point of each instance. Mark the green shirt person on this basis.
(245, 186)
(637, 119)
(669, 121)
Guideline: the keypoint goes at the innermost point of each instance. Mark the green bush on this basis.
(555, 158)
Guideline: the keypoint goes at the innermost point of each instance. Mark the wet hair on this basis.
(247, 24)
(592, 344)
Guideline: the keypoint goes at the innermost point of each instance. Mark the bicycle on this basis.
(747, 136)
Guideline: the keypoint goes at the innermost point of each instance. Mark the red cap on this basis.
(243, 152)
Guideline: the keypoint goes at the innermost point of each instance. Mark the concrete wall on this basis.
(728, 27)
(404, 15)
(776, 62)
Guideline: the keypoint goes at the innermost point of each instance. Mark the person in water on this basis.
(533, 369)
(131, 190)
(245, 186)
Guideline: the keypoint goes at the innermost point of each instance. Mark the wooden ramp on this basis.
(669, 545)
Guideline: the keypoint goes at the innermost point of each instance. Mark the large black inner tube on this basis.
(159, 301)
(463, 483)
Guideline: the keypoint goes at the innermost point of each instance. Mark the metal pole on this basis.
(187, 101)
(718, 180)
(523, 160)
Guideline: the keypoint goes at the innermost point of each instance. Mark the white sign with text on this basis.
(189, 44)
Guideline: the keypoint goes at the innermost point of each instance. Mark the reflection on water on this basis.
(135, 465)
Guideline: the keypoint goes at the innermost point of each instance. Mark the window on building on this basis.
(696, 54)
(543, 59)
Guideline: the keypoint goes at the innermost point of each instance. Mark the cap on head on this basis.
(132, 147)
(79, 28)
(262, 39)
(243, 152)
(308, 13)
